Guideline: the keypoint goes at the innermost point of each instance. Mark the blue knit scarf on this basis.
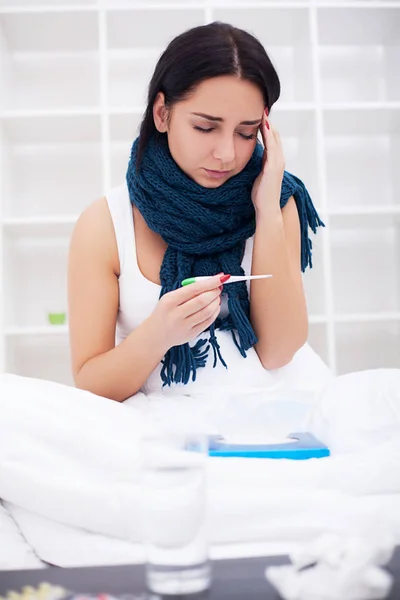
(206, 231)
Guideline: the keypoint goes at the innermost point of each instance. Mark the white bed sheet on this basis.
(67, 546)
(15, 552)
(71, 483)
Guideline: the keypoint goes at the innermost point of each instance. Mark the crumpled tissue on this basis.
(333, 567)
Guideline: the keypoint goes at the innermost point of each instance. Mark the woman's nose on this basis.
(225, 150)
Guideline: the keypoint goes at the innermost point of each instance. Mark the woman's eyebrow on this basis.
(220, 119)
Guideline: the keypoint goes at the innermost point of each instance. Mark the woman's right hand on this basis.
(181, 315)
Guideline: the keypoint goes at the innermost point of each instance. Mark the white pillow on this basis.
(358, 410)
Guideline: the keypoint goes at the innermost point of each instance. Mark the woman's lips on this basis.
(216, 174)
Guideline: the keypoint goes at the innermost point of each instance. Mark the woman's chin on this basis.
(208, 182)
(211, 184)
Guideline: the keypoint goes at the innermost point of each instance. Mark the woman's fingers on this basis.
(199, 303)
(205, 317)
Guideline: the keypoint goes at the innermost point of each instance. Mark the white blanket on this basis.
(15, 553)
(69, 464)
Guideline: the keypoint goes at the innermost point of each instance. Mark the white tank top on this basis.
(138, 297)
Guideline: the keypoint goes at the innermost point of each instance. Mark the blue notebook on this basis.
(306, 446)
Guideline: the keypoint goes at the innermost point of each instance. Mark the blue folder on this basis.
(306, 446)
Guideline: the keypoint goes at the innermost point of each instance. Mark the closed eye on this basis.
(203, 130)
(252, 136)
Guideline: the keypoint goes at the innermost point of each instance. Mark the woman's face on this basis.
(212, 134)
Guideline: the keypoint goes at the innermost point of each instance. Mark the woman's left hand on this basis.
(266, 190)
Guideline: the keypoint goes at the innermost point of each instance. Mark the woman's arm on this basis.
(99, 366)
(277, 305)
(180, 315)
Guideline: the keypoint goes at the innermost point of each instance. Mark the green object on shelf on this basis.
(57, 318)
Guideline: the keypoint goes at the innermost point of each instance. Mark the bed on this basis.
(70, 487)
(15, 552)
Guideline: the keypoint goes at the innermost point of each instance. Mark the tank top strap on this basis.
(120, 208)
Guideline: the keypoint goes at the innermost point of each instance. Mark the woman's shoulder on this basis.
(93, 233)
(95, 218)
(99, 212)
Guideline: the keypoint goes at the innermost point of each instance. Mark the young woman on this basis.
(202, 197)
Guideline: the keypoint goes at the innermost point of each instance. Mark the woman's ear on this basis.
(160, 113)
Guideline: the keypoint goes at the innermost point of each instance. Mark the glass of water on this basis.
(174, 513)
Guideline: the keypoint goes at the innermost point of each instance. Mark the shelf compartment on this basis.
(54, 165)
(40, 357)
(49, 60)
(362, 157)
(363, 211)
(359, 53)
(35, 276)
(123, 130)
(365, 264)
(297, 130)
(290, 53)
(135, 42)
(154, 5)
(129, 76)
(50, 32)
(378, 317)
(61, 225)
(318, 340)
(139, 29)
(313, 279)
(362, 346)
(42, 332)
(50, 4)
(52, 82)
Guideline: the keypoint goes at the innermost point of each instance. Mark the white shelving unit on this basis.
(73, 77)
